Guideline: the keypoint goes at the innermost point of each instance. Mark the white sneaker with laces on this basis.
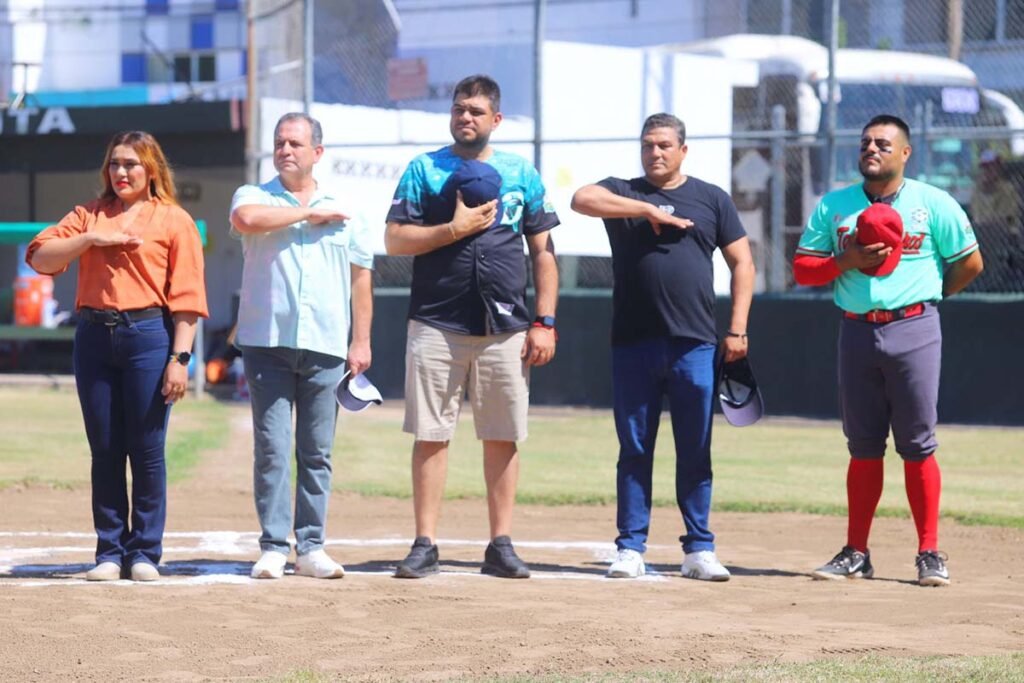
(704, 566)
(319, 565)
(270, 565)
(628, 565)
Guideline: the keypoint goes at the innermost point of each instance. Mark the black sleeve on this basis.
(730, 228)
(616, 186)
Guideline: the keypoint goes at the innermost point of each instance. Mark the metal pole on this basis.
(307, 56)
(199, 378)
(830, 112)
(777, 255)
(252, 109)
(538, 67)
(925, 146)
(955, 28)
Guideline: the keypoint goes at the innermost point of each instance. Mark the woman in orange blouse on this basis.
(140, 291)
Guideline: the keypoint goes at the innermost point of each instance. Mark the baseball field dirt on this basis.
(206, 620)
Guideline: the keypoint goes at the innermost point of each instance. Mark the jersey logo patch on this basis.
(503, 308)
(512, 209)
(668, 208)
(920, 217)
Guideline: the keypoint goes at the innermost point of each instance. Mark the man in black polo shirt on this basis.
(469, 328)
(663, 229)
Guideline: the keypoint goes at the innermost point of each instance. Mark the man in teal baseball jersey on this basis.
(893, 247)
(464, 212)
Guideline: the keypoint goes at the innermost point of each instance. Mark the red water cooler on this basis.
(33, 299)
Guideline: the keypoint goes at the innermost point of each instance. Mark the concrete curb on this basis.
(37, 381)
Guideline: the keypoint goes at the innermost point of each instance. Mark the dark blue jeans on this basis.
(642, 374)
(119, 372)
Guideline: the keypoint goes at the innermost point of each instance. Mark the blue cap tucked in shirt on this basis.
(479, 183)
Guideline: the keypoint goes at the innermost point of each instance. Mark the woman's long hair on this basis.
(161, 178)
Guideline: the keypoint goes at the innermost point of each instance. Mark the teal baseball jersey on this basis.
(936, 232)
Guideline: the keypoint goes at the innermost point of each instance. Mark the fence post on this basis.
(777, 255)
(307, 56)
(926, 131)
(199, 376)
(830, 109)
(539, 18)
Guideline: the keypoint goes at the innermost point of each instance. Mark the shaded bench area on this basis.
(30, 348)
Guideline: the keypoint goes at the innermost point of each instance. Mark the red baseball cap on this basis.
(881, 223)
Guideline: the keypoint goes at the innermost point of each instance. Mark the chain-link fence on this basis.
(750, 78)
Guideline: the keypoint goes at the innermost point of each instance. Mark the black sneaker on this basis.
(848, 564)
(931, 568)
(500, 559)
(421, 560)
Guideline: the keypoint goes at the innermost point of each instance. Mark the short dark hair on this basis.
(664, 120)
(479, 84)
(316, 132)
(889, 120)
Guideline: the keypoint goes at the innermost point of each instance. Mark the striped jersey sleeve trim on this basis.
(812, 252)
(963, 252)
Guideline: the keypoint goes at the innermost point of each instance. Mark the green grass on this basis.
(874, 669)
(776, 465)
(44, 437)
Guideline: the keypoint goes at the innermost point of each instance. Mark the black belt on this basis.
(112, 318)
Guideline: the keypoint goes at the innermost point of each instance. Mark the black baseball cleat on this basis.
(848, 564)
(500, 559)
(421, 560)
(931, 568)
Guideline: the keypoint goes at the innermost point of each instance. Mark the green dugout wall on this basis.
(793, 349)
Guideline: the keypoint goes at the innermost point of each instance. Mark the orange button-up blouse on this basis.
(166, 270)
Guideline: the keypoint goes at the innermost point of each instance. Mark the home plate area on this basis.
(41, 558)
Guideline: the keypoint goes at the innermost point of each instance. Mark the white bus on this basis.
(928, 92)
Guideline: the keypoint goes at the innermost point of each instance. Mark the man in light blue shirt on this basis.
(305, 260)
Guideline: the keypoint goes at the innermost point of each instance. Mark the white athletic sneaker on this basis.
(628, 565)
(319, 565)
(703, 565)
(104, 571)
(270, 565)
(144, 571)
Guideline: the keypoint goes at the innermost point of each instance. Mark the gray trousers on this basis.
(889, 376)
(284, 381)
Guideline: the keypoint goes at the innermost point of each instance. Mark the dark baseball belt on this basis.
(881, 316)
(112, 317)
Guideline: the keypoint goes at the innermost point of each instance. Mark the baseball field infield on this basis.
(778, 507)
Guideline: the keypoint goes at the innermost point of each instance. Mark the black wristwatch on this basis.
(181, 358)
(544, 321)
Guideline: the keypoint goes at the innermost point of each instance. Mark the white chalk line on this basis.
(14, 560)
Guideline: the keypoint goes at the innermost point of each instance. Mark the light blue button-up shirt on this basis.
(296, 281)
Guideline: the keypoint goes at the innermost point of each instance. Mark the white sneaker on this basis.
(144, 571)
(104, 571)
(270, 565)
(628, 565)
(703, 565)
(319, 565)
